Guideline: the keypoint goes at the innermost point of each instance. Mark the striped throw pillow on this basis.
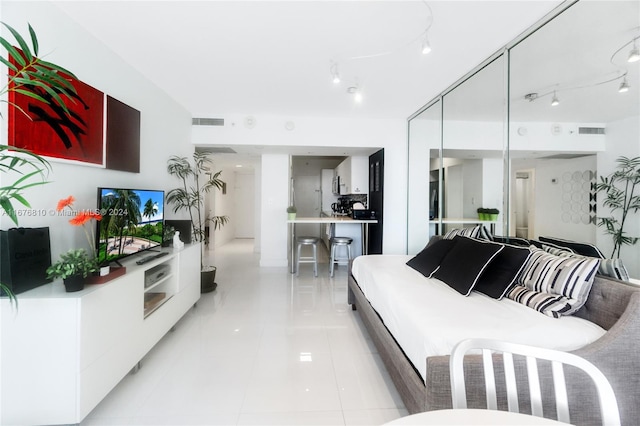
(552, 276)
(478, 231)
(608, 267)
(552, 305)
(613, 268)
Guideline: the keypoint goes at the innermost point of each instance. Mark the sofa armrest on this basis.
(615, 354)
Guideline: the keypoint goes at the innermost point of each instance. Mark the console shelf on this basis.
(62, 353)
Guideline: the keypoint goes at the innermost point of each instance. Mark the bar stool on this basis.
(335, 243)
(308, 241)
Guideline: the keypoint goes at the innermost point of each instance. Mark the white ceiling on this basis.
(273, 57)
(221, 58)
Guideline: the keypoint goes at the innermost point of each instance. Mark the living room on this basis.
(166, 129)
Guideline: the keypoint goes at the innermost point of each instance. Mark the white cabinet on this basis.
(354, 175)
(63, 352)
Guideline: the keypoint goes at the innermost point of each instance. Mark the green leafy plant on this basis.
(197, 180)
(292, 209)
(73, 262)
(33, 77)
(621, 199)
(39, 80)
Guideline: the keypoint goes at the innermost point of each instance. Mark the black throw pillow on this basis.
(465, 262)
(502, 272)
(430, 257)
(584, 249)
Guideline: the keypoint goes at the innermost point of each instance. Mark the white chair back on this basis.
(606, 396)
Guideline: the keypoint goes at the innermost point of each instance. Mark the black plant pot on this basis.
(208, 280)
(74, 283)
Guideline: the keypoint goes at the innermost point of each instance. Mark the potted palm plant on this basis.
(197, 180)
(29, 76)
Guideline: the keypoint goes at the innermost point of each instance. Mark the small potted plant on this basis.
(482, 213)
(291, 210)
(492, 214)
(73, 267)
(167, 235)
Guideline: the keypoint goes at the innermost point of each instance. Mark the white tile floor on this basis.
(266, 348)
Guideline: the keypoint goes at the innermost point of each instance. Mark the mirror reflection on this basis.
(473, 140)
(574, 109)
(423, 179)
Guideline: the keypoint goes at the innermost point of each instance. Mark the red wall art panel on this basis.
(48, 131)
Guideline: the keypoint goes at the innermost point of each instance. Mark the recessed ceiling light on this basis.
(238, 165)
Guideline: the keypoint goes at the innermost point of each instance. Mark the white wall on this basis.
(493, 188)
(554, 196)
(244, 205)
(165, 125)
(269, 131)
(273, 209)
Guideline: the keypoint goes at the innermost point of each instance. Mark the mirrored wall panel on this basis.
(473, 141)
(423, 179)
(574, 108)
(571, 93)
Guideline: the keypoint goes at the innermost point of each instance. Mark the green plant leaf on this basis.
(23, 45)
(57, 68)
(54, 78)
(13, 52)
(31, 95)
(5, 203)
(34, 40)
(9, 65)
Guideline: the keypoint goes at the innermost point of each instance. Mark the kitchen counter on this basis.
(360, 238)
(331, 219)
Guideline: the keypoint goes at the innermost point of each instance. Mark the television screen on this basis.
(132, 221)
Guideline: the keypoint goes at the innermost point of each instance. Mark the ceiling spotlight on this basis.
(531, 96)
(634, 55)
(334, 73)
(554, 100)
(624, 86)
(426, 47)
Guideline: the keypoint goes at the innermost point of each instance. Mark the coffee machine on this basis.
(342, 207)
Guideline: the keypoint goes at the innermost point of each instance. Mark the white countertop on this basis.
(331, 219)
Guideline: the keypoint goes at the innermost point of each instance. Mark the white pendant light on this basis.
(335, 75)
(634, 55)
(624, 86)
(554, 100)
(426, 46)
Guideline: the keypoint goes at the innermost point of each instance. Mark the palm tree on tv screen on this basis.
(150, 209)
(123, 212)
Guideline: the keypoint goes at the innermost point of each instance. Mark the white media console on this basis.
(62, 353)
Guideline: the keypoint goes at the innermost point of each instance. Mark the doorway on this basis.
(524, 203)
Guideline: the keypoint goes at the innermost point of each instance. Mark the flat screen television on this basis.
(132, 222)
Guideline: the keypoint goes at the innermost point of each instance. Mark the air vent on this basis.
(591, 130)
(216, 150)
(565, 156)
(207, 121)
